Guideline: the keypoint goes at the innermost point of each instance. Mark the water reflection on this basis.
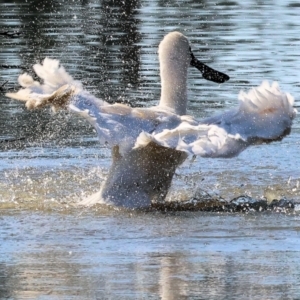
(127, 257)
(120, 35)
(5, 275)
(169, 277)
(112, 46)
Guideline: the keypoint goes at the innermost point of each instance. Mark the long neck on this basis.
(174, 87)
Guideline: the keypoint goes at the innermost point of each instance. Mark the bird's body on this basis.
(148, 144)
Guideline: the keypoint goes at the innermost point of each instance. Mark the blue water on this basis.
(50, 249)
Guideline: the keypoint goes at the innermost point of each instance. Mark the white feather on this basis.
(149, 143)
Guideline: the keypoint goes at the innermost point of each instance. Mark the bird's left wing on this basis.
(264, 114)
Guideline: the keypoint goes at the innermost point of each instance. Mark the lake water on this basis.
(51, 249)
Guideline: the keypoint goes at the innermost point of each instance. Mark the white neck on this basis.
(174, 89)
(174, 59)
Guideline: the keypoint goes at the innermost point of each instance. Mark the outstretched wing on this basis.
(264, 114)
(116, 124)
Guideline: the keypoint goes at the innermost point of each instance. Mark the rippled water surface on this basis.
(51, 249)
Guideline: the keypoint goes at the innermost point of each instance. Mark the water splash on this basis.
(62, 190)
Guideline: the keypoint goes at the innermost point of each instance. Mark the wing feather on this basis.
(264, 114)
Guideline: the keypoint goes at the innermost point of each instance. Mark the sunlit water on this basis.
(51, 249)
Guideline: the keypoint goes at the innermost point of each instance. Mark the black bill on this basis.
(207, 72)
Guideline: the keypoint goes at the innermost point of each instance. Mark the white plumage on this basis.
(149, 143)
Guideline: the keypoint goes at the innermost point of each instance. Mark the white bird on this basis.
(148, 144)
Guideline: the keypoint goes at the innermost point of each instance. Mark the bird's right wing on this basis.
(116, 124)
